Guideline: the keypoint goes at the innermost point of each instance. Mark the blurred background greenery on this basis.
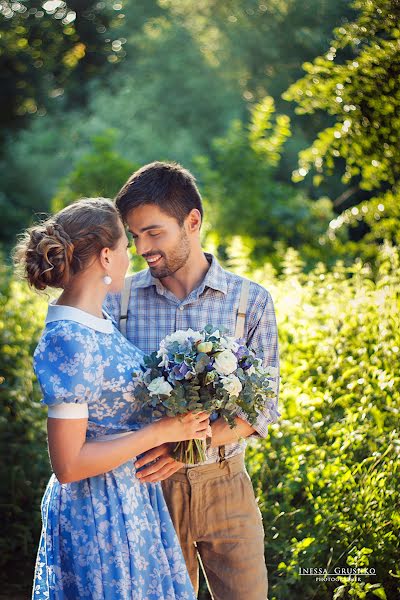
(288, 113)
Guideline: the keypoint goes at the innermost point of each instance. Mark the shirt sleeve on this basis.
(69, 368)
(262, 338)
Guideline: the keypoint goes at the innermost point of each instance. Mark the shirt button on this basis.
(181, 307)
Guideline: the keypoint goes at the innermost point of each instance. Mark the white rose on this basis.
(181, 336)
(225, 362)
(232, 385)
(229, 343)
(159, 386)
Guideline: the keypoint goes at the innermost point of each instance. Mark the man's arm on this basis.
(165, 465)
(223, 433)
(262, 338)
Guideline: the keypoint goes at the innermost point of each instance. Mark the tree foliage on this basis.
(48, 49)
(100, 172)
(249, 39)
(362, 94)
(180, 73)
(242, 196)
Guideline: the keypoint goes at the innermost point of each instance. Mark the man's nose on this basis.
(142, 247)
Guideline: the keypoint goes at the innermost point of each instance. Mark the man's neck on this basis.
(189, 277)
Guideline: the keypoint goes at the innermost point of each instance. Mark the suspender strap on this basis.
(126, 292)
(241, 314)
(239, 332)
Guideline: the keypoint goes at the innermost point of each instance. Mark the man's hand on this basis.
(160, 470)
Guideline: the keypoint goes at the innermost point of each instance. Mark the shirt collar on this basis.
(59, 312)
(215, 278)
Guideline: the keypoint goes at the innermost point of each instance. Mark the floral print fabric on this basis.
(109, 536)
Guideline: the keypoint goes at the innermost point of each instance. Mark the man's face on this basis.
(160, 239)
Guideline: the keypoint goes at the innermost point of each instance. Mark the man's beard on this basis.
(175, 261)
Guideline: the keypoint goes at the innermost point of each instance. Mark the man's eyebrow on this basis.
(146, 228)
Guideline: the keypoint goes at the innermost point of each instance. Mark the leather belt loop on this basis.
(221, 456)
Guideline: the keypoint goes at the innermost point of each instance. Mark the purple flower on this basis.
(184, 369)
(179, 372)
(240, 352)
(210, 365)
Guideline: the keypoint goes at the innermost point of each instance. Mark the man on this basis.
(212, 505)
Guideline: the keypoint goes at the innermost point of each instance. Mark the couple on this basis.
(116, 526)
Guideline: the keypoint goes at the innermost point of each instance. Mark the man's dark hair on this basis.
(167, 185)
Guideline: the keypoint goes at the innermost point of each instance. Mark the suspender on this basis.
(241, 314)
(126, 292)
(240, 319)
(239, 330)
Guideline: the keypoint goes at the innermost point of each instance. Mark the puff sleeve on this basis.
(69, 367)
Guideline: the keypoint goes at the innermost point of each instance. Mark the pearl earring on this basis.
(107, 280)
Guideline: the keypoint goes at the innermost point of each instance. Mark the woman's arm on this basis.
(73, 458)
(165, 465)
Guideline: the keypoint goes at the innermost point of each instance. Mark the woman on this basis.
(105, 535)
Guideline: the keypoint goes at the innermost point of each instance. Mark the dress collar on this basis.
(215, 278)
(59, 312)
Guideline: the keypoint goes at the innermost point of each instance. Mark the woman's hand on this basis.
(192, 425)
(74, 458)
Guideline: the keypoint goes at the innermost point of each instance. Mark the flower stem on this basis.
(190, 452)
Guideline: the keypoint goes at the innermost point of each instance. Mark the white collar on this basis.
(59, 312)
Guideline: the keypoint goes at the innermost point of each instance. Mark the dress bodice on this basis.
(84, 360)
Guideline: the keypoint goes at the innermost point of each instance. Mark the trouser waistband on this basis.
(229, 466)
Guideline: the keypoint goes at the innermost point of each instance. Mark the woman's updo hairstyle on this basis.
(54, 250)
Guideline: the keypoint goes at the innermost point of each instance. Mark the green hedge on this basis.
(327, 478)
(24, 467)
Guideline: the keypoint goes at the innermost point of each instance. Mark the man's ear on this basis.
(193, 220)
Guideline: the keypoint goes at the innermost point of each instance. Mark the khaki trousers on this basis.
(215, 513)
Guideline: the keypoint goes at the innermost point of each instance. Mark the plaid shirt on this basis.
(154, 312)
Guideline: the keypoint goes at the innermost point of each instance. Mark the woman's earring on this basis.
(107, 280)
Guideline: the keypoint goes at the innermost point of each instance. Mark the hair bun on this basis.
(54, 251)
(49, 255)
(57, 231)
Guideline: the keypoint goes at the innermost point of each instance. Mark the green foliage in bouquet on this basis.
(205, 371)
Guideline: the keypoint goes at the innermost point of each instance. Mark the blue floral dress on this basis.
(109, 536)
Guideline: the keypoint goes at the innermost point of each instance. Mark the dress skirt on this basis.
(109, 537)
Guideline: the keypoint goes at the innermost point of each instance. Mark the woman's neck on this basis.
(85, 297)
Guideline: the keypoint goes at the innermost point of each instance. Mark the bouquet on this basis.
(205, 371)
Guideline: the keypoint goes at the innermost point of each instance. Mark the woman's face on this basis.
(118, 263)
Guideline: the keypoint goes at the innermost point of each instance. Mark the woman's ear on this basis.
(105, 258)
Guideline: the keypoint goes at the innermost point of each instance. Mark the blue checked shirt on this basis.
(154, 312)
